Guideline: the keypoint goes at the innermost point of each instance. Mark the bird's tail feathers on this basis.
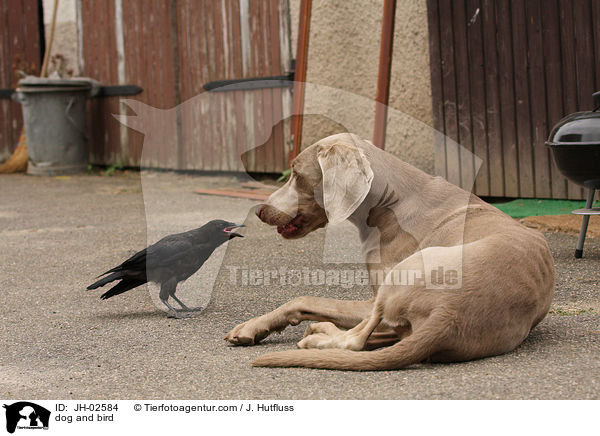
(123, 286)
(112, 270)
(107, 279)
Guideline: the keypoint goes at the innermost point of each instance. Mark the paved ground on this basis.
(60, 341)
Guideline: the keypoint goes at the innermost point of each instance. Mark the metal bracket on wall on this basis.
(284, 81)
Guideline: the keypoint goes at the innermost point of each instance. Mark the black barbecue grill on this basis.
(575, 145)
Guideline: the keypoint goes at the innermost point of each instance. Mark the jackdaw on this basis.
(169, 261)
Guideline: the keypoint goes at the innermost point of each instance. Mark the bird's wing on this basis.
(167, 251)
(135, 262)
(155, 254)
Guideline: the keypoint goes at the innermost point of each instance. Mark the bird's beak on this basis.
(230, 230)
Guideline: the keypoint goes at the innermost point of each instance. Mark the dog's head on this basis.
(328, 182)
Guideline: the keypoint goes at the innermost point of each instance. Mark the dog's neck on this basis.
(397, 192)
(402, 206)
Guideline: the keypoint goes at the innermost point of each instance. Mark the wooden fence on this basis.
(19, 50)
(171, 48)
(503, 73)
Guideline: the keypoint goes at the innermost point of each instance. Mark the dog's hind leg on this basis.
(425, 341)
(353, 339)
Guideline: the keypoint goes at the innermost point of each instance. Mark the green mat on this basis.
(523, 207)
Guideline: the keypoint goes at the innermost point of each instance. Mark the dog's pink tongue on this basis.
(289, 227)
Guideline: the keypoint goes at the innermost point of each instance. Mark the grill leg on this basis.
(584, 224)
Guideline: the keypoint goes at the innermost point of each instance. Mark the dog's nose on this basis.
(259, 211)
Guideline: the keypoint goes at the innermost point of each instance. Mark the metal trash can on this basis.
(55, 124)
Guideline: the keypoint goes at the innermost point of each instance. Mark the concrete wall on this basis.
(65, 36)
(343, 63)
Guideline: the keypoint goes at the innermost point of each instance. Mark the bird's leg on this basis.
(183, 306)
(168, 289)
(175, 313)
(172, 312)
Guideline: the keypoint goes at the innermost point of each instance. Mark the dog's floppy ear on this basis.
(347, 178)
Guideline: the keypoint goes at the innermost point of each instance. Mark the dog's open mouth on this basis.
(293, 227)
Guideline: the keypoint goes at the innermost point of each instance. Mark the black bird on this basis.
(169, 261)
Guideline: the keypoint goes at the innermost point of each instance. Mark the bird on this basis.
(167, 262)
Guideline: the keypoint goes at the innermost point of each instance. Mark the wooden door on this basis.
(503, 73)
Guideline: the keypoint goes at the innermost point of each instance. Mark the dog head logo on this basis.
(26, 415)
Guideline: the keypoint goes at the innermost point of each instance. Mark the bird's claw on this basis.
(179, 315)
(194, 309)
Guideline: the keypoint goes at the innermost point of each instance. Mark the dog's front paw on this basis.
(249, 333)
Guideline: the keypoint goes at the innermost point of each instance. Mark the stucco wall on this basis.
(65, 35)
(343, 59)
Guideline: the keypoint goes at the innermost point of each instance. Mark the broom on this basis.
(17, 162)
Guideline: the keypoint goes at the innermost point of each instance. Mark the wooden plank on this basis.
(523, 120)
(279, 163)
(151, 55)
(507, 100)
(16, 43)
(135, 70)
(463, 94)
(258, 97)
(584, 48)
(228, 121)
(106, 140)
(261, 96)
(494, 127)
(449, 86)
(267, 93)
(187, 57)
(569, 71)
(583, 34)
(171, 80)
(437, 91)
(246, 193)
(94, 116)
(219, 98)
(477, 90)
(208, 150)
(241, 136)
(596, 33)
(151, 47)
(118, 152)
(554, 107)
(6, 142)
(31, 36)
(541, 157)
(104, 76)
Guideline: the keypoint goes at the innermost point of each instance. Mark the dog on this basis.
(502, 280)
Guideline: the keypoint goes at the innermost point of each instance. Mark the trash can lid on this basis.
(45, 84)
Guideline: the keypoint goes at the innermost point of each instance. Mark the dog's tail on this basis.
(411, 350)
